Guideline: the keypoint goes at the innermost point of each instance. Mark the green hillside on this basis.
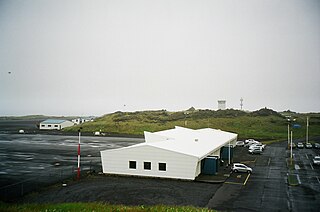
(264, 124)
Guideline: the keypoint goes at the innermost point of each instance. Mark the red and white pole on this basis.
(78, 174)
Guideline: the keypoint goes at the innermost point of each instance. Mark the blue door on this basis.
(209, 165)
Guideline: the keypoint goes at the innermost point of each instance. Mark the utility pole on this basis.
(307, 134)
(78, 173)
(241, 102)
(291, 149)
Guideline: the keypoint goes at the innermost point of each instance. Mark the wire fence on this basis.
(10, 192)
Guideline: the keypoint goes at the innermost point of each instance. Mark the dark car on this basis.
(293, 146)
(317, 145)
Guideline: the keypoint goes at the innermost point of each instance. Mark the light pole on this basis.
(229, 153)
(78, 172)
(291, 149)
(307, 133)
(290, 121)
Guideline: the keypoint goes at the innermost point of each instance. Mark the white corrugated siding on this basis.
(66, 124)
(178, 165)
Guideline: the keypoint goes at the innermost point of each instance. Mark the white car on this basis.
(255, 150)
(316, 160)
(262, 146)
(239, 167)
(308, 145)
(249, 142)
(239, 143)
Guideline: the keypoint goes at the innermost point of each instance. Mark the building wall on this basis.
(178, 165)
(50, 126)
(80, 120)
(54, 126)
(66, 124)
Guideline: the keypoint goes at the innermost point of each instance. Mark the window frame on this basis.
(160, 168)
(132, 162)
(147, 165)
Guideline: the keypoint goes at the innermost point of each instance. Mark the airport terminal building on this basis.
(179, 153)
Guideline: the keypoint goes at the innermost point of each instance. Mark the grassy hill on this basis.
(264, 124)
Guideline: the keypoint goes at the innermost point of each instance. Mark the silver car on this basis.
(316, 160)
(239, 167)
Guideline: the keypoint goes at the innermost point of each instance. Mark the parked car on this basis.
(255, 150)
(300, 145)
(308, 145)
(250, 142)
(316, 160)
(239, 167)
(317, 145)
(293, 146)
(240, 143)
(262, 146)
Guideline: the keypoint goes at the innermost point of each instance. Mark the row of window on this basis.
(49, 125)
(147, 165)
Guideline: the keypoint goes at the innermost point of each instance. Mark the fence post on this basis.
(21, 189)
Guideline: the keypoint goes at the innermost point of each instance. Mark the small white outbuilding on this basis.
(176, 153)
(55, 124)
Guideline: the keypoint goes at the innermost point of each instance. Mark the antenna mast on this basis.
(241, 102)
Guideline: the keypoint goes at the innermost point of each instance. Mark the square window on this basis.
(49, 125)
(162, 167)
(132, 164)
(147, 165)
(56, 125)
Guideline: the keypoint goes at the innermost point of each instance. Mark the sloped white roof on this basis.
(198, 143)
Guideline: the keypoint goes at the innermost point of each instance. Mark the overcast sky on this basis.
(96, 57)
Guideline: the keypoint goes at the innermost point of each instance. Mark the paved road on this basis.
(267, 189)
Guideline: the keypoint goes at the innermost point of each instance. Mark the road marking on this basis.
(233, 183)
(269, 161)
(311, 166)
(246, 179)
(307, 156)
(318, 179)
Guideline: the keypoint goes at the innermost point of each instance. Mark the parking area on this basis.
(238, 178)
(267, 187)
(307, 193)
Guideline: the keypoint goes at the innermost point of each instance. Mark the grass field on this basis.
(93, 207)
(264, 124)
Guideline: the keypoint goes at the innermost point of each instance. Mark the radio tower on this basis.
(241, 102)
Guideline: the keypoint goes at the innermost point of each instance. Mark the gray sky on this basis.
(96, 57)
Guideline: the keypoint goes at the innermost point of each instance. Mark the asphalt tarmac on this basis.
(267, 189)
(31, 162)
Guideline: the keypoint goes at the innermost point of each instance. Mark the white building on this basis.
(81, 120)
(55, 124)
(221, 104)
(175, 153)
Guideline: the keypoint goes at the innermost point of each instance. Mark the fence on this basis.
(12, 192)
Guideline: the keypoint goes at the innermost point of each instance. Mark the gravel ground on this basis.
(128, 191)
